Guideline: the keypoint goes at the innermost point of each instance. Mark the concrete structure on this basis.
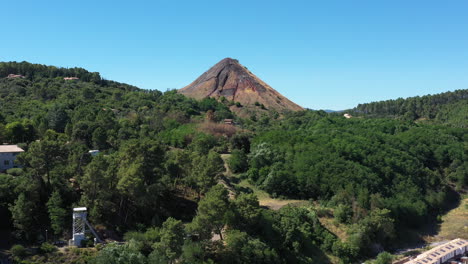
(8, 155)
(79, 227)
(445, 253)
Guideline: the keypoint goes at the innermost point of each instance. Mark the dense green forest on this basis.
(449, 108)
(154, 184)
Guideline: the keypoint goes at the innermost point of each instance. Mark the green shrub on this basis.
(47, 248)
(238, 161)
(343, 213)
(384, 258)
(18, 251)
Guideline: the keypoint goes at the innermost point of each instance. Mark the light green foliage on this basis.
(384, 258)
(172, 235)
(202, 143)
(47, 248)
(119, 254)
(18, 251)
(144, 240)
(343, 213)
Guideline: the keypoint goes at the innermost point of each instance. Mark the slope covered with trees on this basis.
(154, 182)
(450, 108)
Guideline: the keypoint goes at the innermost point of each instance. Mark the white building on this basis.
(8, 155)
(93, 152)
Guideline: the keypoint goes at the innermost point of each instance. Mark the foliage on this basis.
(119, 254)
(436, 106)
(384, 258)
(57, 213)
(47, 248)
(172, 236)
(238, 161)
(157, 160)
(18, 251)
(212, 213)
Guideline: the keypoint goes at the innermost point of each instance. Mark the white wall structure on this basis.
(8, 155)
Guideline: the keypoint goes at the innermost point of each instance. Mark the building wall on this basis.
(7, 161)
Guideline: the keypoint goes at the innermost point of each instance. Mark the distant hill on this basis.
(448, 107)
(229, 80)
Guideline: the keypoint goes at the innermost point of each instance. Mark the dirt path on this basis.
(225, 179)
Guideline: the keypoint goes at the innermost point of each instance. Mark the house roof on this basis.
(433, 255)
(10, 148)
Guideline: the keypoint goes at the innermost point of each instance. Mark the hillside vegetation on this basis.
(154, 183)
(449, 108)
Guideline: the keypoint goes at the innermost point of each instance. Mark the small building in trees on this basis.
(11, 76)
(229, 121)
(94, 152)
(71, 78)
(8, 155)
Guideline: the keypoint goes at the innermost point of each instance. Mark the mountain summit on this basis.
(229, 79)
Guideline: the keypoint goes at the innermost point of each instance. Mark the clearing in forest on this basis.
(454, 223)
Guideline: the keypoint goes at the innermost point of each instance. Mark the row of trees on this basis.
(429, 106)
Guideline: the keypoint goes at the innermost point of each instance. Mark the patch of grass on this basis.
(455, 223)
(272, 203)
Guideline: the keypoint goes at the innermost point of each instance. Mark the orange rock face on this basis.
(230, 79)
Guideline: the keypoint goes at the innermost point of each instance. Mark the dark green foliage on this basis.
(212, 213)
(193, 252)
(241, 142)
(57, 213)
(22, 212)
(172, 235)
(238, 161)
(310, 156)
(240, 248)
(439, 106)
(205, 171)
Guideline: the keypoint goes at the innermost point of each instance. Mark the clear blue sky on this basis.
(320, 54)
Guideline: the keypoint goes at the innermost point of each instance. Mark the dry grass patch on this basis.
(455, 223)
(265, 200)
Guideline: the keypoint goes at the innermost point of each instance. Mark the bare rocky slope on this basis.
(229, 79)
